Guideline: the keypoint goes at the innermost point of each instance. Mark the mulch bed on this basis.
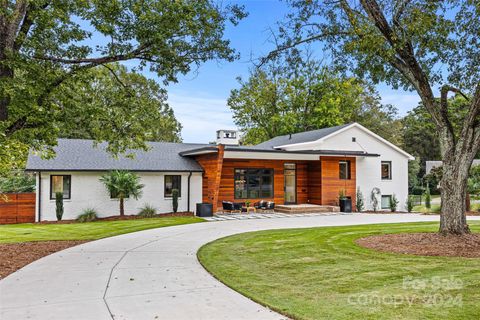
(126, 217)
(14, 256)
(425, 244)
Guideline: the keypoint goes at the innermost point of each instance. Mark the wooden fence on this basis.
(17, 208)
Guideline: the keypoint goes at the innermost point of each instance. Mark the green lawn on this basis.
(84, 231)
(320, 273)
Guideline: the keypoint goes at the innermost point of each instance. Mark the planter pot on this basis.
(204, 210)
(345, 205)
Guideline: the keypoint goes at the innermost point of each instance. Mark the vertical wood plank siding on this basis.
(318, 182)
(18, 208)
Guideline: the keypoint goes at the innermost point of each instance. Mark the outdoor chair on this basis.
(228, 206)
(265, 206)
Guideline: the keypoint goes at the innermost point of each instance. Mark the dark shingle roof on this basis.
(299, 137)
(81, 155)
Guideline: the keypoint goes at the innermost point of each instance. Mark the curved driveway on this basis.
(152, 274)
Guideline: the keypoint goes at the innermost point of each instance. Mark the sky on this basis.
(199, 99)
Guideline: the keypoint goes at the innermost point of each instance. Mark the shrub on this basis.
(342, 194)
(59, 205)
(428, 198)
(393, 203)
(360, 201)
(409, 203)
(87, 215)
(374, 198)
(175, 200)
(148, 211)
(17, 182)
(122, 184)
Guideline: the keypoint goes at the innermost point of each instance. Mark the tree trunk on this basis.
(122, 209)
(453, 218)
(467, 202)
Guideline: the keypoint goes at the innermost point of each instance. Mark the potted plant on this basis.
(344, 201)
(247, 203)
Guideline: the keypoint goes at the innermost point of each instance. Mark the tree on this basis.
(417, 45)
(47, 45)
(285, 97)
(59, 205)
(122, 184)
(360, 201)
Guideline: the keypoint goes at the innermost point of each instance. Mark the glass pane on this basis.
(343, 170)
(386, 202)
(57, 184)
(290, 195)
(66, 187)
(253, 186)
(240, 186)
(267, 187)
(289, 166)
(168, 186)
(386, 170)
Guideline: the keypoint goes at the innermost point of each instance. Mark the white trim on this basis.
(355, 124)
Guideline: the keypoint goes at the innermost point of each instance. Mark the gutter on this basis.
(188, 191)
(39, 196)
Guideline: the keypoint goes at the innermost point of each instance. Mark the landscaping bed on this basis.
(14, 256)
(425, 244)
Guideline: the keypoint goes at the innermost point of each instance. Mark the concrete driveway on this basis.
(152, 274)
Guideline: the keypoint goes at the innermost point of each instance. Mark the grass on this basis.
(15, 233)
(320, 273)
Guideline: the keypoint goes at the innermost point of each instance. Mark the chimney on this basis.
(228, 137)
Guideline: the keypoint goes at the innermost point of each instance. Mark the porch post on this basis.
(218, 176)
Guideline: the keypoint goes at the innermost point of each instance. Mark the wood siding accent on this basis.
(331, 184)
(17, 208)
(315, 182)
(226, 191)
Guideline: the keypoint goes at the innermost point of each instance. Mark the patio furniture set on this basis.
(262, 205)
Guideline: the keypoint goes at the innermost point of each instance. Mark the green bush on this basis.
(428, 198)
(360, 200)
(175, 200)
(409, 203)
(17, 182)
(393, 203)
(147, 211)
(59, 205)
(88, 215)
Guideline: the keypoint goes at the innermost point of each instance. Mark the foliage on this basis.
(433, 179)
(175, 200)
(360, 200)
(88, 215)
(474, 180)
(16, 182)
(374, 198)
(59, 205)
(393, 203)
(122, 184)
(342, 194)
(409, 204)
(286, 96)
(47, 48)
(148, 211)
(428, 197)
(413, 173)
(243, 262)
(423, 46)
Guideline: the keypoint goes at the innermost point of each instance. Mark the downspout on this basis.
(188, 192)
(39, 196)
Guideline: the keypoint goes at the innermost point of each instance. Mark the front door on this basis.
(290, 183)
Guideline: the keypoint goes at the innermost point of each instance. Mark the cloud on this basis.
(200, 115)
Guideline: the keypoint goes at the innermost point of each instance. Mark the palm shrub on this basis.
(409, 203)
(393, 203)
(87, 215)
(428, 198)
(59, 205)
(147, 211)
(360, 201)
(374, 198)
(122, 184)
(175, 200)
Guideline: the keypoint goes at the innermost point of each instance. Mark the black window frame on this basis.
(165, 185)
(389, 202)
(69, 176)
(390, 171)
(349, 169)
(260, 196)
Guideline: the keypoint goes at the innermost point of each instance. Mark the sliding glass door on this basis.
(290, 183)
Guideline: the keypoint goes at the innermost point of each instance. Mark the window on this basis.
(344, 169)
(253, 183)
(60, 184)
(386, 199)
(386, 170)
(172, 182)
